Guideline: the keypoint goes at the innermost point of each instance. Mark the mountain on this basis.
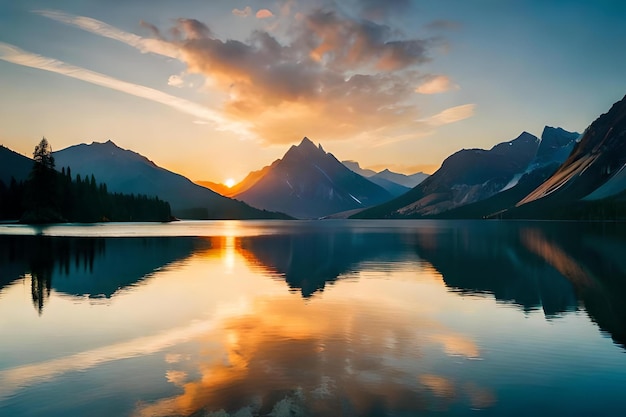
(409, 181)
(382, 178)
(355, 167)
(556, 145)
(310, 183)
(465, 177)
(394, 188)
(238, 188)
(127, 172)
(13, 164)
(591, 180)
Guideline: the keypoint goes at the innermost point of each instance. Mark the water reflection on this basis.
(323, 359)
(552, 266)
(342, 320)
(308, 261)
(548, 266)
(92, 267)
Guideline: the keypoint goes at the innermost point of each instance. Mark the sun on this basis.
(229, 182)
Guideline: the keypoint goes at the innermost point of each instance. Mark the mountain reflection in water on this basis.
(342, 320)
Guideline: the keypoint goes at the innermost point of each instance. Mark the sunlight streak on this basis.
(15, 55)
(98, 27)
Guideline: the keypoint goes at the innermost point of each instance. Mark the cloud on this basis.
(264, 14)
(347, 43)
(334, 77)
(451, 115)
(88, 24)
(13, 54)
(285, 8)
(436, 85)
(193, 29)
(175, 81)
(245, 12)
(325, 74)
(152, 28)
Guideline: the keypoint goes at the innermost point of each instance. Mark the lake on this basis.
(313, 318)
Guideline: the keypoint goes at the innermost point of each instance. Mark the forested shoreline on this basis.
(49, 196)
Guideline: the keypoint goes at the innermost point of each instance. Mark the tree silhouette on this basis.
(53, 197)
(42, 191)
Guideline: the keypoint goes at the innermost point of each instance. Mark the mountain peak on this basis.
(307, 145)
(306, 149)
(109, 144)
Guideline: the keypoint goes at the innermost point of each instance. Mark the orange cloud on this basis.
(264, 14)
(335, 77)
(329, 75)
(451, 115)
(436, 85)
(245, 12)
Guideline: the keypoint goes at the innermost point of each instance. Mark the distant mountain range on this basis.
(127, 172)
(467, 176)
(396, 183)
(308, 182)
(407, 181)
(563, 175)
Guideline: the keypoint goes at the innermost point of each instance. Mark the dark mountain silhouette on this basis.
(13, 165)
(591, 183)
(556, 145)
(310, 183)
(128, 172)
(467, 176)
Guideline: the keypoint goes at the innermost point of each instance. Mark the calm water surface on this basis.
(332, 318)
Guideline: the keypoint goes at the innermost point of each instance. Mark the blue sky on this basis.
(215, 89)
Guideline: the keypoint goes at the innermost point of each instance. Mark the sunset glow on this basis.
(230, 182)
(206, 89)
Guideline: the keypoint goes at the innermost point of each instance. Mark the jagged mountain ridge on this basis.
(591, 183)
(555, 146)
(311, 183)
(127, 172)
(600, 154)
(466, 176)
(381, 177)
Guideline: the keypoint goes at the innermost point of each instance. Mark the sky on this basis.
(216, 89)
